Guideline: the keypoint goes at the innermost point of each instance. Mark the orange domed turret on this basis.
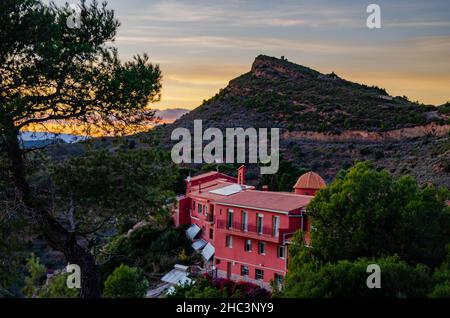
(309, 183)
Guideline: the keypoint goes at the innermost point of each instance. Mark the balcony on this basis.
(252, 231)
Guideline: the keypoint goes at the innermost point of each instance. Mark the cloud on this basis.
(250, 43)
(235, 14)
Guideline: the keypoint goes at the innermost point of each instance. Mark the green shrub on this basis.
(57, 288)
(125, 282)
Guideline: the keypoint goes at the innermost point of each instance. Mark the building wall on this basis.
(269, 262)
(181, 214)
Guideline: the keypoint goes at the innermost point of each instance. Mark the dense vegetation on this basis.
(154, 248)
(125, 282)
(51, 71)
(368, 217)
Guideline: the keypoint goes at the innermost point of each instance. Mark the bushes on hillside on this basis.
(151, 248)
(125, 282)
(367, 217)
(368, 213)
(348, 279)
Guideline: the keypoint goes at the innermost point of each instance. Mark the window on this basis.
(279, 279)
(259, 223)
(248, 245)
(217, 261)
(205, 210)
(229, 241)
(230, 219)
(244, 221)
(261, 248)
(275, 225)
(211, 234)
(259, 274)
(244, 270)
(281, 251)
(199, 208)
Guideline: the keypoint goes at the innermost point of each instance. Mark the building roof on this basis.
(210, 174)
(267, 201)
(211, 190)
(230, 189)
(310, 180)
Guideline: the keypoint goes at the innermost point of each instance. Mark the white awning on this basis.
(208, 251)
(178, 275)
(192, 231)
(198, 244)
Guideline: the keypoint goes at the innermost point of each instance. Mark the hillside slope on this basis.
(327, 123)
(279, 93)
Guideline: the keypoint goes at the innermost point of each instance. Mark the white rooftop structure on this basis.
(230, 189)
(178, 275)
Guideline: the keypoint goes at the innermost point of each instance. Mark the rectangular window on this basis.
(248, 245)
(244, 270)
(261, 248)
(279, 279)
(230, 219)
(229, 241)
(211, 234)
(205, 210)
(275, 225)
(199, 208)
(259, 223)
(244, 221)
(259, 274)
(281, 251)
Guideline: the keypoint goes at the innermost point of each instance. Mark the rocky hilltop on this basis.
(327, 122)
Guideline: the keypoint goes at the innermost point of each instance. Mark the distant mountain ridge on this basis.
(29, 139)
(171, 114)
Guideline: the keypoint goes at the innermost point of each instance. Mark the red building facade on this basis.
(244, 233)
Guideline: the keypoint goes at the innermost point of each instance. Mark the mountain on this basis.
(327, 123)
(31, 139)
(279, 93)
(171, 114)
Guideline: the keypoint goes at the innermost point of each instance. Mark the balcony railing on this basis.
(251, 230)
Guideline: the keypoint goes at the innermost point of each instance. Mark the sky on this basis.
(202, 45)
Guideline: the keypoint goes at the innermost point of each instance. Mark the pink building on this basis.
(242, 233)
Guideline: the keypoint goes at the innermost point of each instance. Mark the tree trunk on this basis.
(56, 235)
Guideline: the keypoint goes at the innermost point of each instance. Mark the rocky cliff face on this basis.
(266, 67)
(430, 130)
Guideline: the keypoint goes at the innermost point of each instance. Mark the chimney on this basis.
(241, 175)
(265, 187)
